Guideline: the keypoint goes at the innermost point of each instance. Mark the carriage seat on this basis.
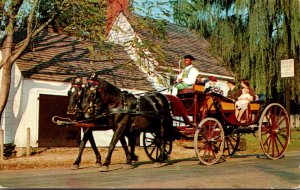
(227, 104)
(197, 87)
(259, 98)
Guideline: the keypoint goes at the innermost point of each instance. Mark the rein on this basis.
(151, 92)
(93, 82)
(143, 113)
(76, 85)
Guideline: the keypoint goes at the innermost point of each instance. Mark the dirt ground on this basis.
(64, 157)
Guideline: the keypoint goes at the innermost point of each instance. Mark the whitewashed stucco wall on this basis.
(22, 110)
(13, 111)
(30, 107)
(32, 89)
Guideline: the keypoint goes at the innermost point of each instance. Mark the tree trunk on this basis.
(10, 53)
(5, 86)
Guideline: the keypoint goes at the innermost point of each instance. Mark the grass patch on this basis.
(253, 146)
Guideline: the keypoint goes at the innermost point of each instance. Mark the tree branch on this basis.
(32, 33)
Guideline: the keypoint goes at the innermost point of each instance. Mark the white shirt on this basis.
(243, 99)
(192, 75)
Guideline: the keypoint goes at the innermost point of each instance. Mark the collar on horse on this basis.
(94, 82)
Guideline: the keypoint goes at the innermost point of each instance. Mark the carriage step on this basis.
(185, 143)
(248, 129)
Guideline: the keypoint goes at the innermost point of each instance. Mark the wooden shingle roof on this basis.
(179, 41)
(58, 57)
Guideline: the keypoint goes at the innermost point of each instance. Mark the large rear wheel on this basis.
(274, 130)
(152, 146)
(209, 141)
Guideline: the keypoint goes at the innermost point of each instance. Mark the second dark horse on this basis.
(75, 95)
(91, 122)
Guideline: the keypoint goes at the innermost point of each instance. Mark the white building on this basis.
(41, 76)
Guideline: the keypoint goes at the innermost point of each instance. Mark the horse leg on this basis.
(125, 148)
(163, 155)
(132, 142)
(94, 147)
(85, 138)
(128, 163)
(116, 136)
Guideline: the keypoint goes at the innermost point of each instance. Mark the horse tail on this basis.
(163, 109)
(166, 111)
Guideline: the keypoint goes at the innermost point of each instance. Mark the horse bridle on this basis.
(78, 95)
(96, 88)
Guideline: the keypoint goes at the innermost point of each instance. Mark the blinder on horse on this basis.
(75, 96)
(90, 102)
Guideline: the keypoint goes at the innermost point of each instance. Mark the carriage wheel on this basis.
(152, 146)
(274, 130)
(231, 144)
(209, 141)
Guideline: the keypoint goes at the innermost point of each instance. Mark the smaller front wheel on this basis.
(152, 146)
(209, 141)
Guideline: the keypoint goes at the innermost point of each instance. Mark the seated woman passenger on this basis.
(246, 84)
(212, 87)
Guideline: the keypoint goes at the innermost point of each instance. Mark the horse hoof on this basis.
(97, 165)
(129, 166)
(104, 169)
(135, 158)
(74, 167)
(159, 165)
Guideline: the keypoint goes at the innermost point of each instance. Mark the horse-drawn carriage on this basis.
(211, 122)
(208, 120)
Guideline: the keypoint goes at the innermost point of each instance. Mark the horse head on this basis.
(98, 96)
(90, 98)
(75, 96)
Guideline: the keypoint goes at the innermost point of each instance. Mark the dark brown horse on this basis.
(75, 95)
(128, 116)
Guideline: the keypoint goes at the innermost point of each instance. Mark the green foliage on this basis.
(84, 19)
(87, 20)
(251, 37)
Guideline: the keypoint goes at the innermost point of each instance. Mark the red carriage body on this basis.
(211, 122)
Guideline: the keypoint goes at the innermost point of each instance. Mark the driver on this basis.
(187, 77)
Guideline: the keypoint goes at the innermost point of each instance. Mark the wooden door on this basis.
(50, 135)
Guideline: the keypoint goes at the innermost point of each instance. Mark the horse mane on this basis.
(109, 88)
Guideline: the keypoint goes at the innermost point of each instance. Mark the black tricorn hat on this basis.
(231, 81)
(189, 57)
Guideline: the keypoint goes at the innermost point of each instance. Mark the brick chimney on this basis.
(114, 7)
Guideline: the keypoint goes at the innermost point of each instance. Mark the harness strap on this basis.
(130, 111)
(152, 103)
(145, 113)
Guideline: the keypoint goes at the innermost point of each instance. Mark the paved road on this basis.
(245, 171)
